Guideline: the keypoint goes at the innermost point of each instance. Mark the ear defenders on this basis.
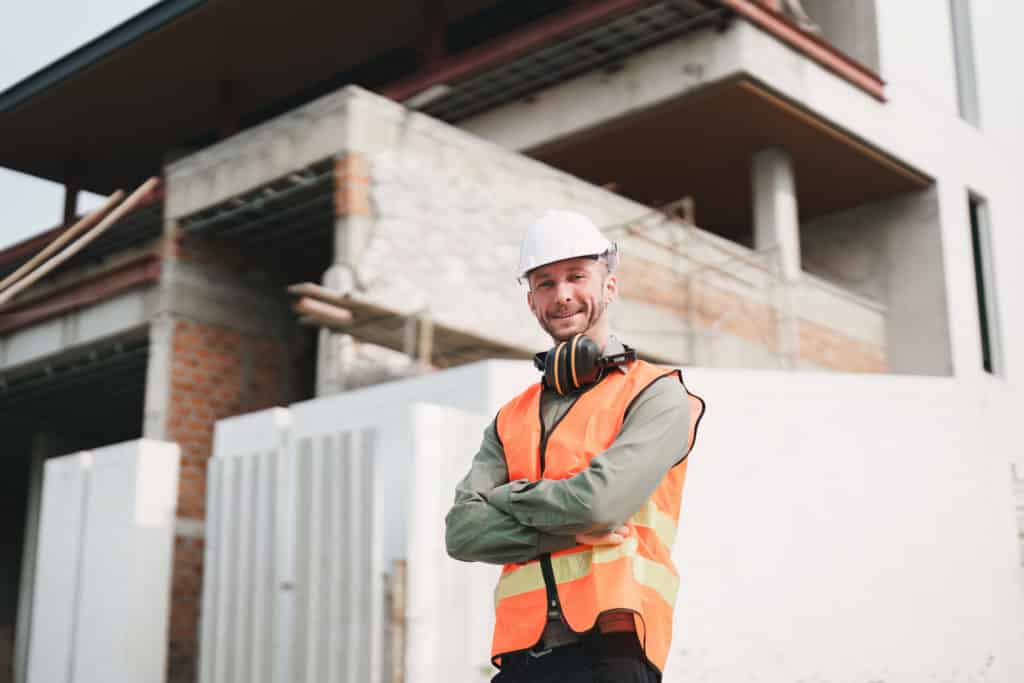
(574, 364)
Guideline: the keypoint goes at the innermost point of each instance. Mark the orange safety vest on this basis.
(637, 575)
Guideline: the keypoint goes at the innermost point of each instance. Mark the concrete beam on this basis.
(90, 324)
(257, 155)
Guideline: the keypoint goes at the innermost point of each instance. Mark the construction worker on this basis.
(577, 485)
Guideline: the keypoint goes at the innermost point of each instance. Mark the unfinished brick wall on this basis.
(216, 372)
(186, 593)
(351, 185)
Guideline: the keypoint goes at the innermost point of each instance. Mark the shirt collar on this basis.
(613, 347)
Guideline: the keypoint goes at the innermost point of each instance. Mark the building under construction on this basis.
(232, 418)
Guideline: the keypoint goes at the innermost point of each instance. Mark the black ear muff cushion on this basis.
(574, 345)
(562, 376)
(554, 371)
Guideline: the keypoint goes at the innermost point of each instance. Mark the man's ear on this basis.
(529, 300)
(611, 289)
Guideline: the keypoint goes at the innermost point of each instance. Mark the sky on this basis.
(32, 35)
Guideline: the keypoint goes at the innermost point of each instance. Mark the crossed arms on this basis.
(498, 521)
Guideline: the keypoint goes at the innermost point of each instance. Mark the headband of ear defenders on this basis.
(574, 364)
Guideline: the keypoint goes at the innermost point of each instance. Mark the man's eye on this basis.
(545, 284)
(577, 276)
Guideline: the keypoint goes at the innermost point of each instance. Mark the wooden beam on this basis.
(318, 310)
(62, 239)
(82, 242)
(318, 292)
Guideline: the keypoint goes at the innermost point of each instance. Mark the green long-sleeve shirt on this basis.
(497, 521)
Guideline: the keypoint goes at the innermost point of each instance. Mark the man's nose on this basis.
(563, 291)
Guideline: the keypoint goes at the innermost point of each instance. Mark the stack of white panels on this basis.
(106, 538)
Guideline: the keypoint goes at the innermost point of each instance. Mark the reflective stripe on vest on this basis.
(637, 575)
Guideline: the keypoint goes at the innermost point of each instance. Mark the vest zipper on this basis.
(554, 605)
(546, 570)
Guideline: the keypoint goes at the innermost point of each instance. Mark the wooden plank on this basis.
(319, 292)
(313, 308)
(128, 205)
(62, 239)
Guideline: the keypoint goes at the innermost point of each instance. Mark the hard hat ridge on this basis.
(558, 235)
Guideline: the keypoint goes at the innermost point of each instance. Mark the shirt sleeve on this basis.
(476, 531)
(652, 440)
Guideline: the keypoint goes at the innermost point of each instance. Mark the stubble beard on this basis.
(595, 315)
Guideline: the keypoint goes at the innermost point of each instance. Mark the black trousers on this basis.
(599, 658)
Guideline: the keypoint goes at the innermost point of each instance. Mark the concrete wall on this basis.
(850, 26)
(890, 251)
(75, 329)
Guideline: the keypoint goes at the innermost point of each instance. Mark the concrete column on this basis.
(777, 233)
(776, 221)
(336, 352)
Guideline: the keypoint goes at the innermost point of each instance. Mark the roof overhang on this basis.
(185, 73)
(95, 51)
(701, 145)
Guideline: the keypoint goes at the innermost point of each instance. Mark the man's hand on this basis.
(611, 538)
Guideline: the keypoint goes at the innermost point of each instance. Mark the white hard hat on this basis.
(560, 235)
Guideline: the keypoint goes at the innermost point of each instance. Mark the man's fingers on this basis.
(612, 538)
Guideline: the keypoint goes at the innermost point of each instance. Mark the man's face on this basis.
(571, 296)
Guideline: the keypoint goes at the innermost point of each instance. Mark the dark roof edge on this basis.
(125, 33)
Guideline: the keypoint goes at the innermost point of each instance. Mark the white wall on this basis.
(847, 528)
(916, 51)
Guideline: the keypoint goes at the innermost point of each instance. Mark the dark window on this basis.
(984, 284)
